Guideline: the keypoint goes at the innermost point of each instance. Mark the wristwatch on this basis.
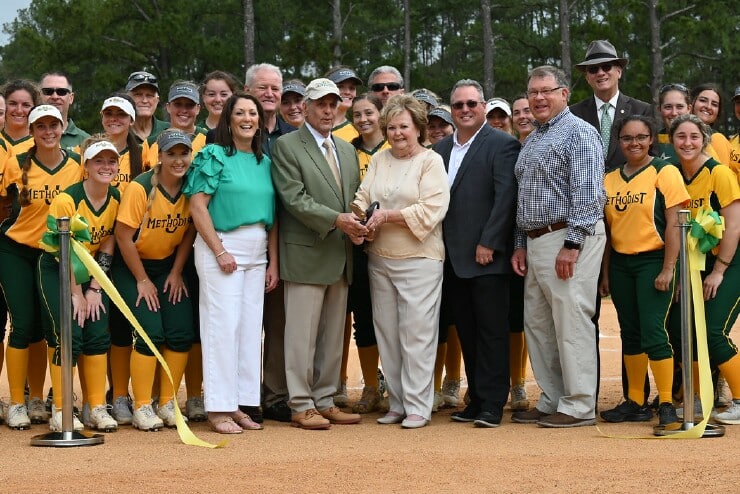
(572, 245)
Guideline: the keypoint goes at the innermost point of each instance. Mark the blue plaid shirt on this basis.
(560, 172)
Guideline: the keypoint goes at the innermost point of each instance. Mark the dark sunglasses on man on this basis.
(594, 69)
(379, 86)
(61, 91)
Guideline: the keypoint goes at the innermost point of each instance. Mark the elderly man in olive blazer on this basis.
(316, 178)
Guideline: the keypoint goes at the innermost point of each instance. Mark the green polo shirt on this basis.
(73, 136)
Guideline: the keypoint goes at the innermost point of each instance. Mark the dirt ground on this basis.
(443, 457)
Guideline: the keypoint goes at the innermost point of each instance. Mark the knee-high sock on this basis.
(636, 366)
(81, 376)
(439, 366)
(142, 377)
(345, 349)
(663, 375)
(369, 358)
(55, 371)
(120, 369)
(94, 368)
(194, 371)
(517, 358)
(731, 372)
(37, 368)
(453, 358)
(17, 361)
(176, 361)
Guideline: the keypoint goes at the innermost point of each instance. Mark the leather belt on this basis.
(538, 232)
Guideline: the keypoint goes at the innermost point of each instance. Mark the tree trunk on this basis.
(336, 16)
(249, 59)
(407, 44)
(656, 52)
(489, 84)
(567, 63)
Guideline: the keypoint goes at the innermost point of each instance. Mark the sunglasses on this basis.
(460, 104)
(61, 91)
(143, 77)
(606, 67)
(378, 87)
(673, 87)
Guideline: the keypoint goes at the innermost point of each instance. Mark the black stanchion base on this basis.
(67, 439)
(710, 430)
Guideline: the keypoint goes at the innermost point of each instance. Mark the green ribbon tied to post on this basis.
(78, 230)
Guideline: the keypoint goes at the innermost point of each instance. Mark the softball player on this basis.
(643, 199)
(155, 234)
(96, 201)
(33, 181)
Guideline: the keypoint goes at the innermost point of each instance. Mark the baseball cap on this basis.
(318, 88)
(170, 138)
(441, 113)
(294, 87)
(140, 78)
(184, 89)
(44, 111)
(96, 148)
(499, 103)
(121, 103)
(737, 93)
(425, 96)
(342, 74)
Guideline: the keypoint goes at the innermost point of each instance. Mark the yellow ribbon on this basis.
(186, 435)
(705, 233)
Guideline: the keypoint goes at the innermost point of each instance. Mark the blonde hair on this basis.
(405, 102)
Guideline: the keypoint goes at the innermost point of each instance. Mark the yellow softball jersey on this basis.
(635, 206)
(100, 221)
(363, 156)
(20, 146)
(150, 149)
(735, 155)
(345, 131)
(27, 224)
(161, 227)
(714, 185)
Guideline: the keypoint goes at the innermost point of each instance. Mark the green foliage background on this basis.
(99, 42)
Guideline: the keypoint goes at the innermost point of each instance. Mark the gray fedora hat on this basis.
(599, 52)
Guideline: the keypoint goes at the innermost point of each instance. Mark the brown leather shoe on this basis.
(309, 419)
(336, 416)
(561, 420)
(531, 416)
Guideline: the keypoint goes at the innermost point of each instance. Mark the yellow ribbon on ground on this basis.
(186, 435)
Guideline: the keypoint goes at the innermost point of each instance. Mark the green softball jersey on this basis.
(161, 224)
(241, 189)
(100, 221)
(635, 206)
(27, 224)
(150, 149)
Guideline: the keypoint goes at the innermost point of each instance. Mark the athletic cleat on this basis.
(37, 411)
(121, 410)
(628, 411)
(731, 416)
(101, 420)
(3, 411)
(667, 414)
(17, 417)
(55, 422)
(341, 399)
(519, 398)
(721, 392)
(85, 415)
(166, 412)
(451, 392)
(196, 410)
(698, 413)
(369, 401)
(438, 401)
(146, 420)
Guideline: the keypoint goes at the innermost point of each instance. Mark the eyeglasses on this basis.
(61, 91)
(674, 87)
(379, 86)
(470, 104)
(544, 92)
(606, 67)
(640, 138)
(143, 77)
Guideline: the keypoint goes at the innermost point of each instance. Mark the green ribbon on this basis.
(707, 229)
(78, 229)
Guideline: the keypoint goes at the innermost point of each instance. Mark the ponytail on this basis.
(24, 197)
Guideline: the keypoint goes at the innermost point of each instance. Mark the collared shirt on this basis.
(612, 108)
(320, 143)
(560, 172)
(457, 154)
(73, 136)
(281, 128)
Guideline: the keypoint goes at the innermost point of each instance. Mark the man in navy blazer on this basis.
(603, 70)
(478, 232)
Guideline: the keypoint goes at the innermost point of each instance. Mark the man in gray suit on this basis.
(316, 178)
(478, 233)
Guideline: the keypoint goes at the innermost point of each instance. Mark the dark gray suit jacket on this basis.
(482, 203)
(626, 106)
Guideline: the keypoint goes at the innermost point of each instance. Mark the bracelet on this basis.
(96, 290)
(220, 254)
(143, 281)
(720, 260)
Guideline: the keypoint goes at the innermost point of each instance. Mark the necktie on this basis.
(329, 155)
(606, 127)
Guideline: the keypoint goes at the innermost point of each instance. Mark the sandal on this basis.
(224, 424)
(245, 421)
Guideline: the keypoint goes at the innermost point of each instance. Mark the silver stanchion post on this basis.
(68, 436)
(687, 341)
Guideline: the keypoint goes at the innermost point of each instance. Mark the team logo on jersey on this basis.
(121, 177)
(98, 234)
(620, 202)
(46, 194)
(170, 224)
(696, 203)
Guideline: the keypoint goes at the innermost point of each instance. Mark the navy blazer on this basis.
(626, 106)
(482, 203)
